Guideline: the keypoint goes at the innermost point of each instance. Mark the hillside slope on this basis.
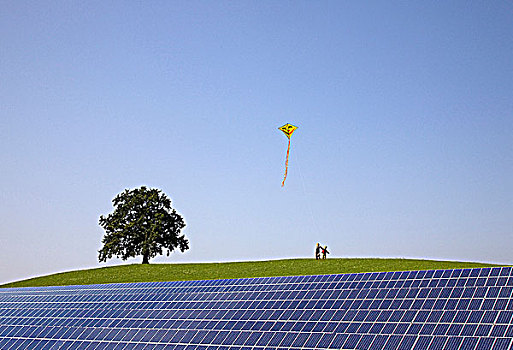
(202, 271)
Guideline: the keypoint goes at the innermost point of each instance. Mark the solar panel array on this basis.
(440, 309)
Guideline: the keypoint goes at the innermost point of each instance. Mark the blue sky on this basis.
(404, 109)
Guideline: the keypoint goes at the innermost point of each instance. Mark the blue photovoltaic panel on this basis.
(442, 309)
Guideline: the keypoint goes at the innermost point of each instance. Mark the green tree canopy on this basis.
(143, 223)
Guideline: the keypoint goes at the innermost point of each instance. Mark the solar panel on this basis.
(441, 309)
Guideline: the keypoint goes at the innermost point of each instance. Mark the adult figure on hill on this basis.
(318, 252)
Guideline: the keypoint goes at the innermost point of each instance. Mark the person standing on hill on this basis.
(318, 252)
(324, 252)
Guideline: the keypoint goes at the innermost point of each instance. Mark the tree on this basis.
(143, 223)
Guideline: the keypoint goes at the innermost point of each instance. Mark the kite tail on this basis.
(286, 165)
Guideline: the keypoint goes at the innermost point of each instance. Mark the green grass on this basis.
(183, 272)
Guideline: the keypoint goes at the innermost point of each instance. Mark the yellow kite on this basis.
(287, 129)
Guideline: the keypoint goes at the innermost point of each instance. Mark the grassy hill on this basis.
(182, 272)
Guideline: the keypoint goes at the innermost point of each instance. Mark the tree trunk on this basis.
(146, 259)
